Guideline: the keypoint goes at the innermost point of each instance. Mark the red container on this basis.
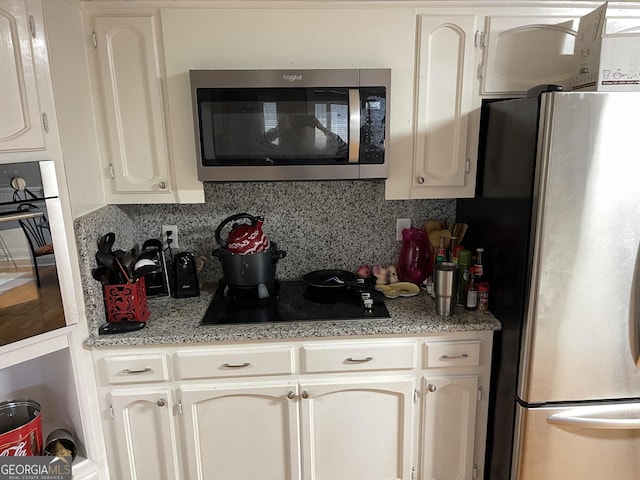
(20, 428)
(126, 302)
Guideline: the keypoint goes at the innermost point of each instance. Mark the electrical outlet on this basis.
(401, 224)
(170, 232)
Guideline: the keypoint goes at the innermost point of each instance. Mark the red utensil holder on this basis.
(126, 302)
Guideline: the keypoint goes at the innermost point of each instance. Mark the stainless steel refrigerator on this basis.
(557, 209)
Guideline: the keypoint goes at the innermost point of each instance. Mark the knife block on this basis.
(126, 302)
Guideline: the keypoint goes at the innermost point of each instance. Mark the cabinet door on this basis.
(356, 430)
(241, 433)
(20, 121)
(445, 97)
(143, 443)
(129, 69)
(449, 416)
(522, 52)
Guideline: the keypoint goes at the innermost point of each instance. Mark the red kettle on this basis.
(243, 238)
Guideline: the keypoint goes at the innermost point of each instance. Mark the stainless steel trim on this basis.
(14, 217)
(623, 417)
(354, 125)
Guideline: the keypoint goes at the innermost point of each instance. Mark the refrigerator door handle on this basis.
(622, 417)
(634, 311)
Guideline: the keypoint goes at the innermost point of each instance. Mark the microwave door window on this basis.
(278, 126)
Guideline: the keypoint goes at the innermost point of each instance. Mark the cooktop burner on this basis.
(290, 301)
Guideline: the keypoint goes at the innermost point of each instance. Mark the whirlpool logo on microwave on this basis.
(292, 77)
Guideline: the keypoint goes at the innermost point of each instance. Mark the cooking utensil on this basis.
(112, 263)
(329, 278)
(105, 244)
(249, 270)
(244, 238)
(101, 274)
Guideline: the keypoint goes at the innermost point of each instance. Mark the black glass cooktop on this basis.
(290, 301)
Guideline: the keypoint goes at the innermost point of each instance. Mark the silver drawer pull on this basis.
(358, 360)
(128, 371)
(454, 357)
(236, 365)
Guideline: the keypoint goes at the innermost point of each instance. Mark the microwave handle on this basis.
(17, 216)
(354, 125)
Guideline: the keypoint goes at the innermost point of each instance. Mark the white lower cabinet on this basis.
(240, 432)
(143, 430)
(357, 429)
(449, 413)
(394, 408)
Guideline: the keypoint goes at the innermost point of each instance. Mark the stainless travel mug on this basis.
(445, 286)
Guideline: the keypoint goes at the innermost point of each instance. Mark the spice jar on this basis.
(483, 296)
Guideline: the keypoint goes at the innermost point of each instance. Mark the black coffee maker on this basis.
(185, 275)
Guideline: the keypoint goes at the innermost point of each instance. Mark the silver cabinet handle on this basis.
(161, 402)
(420, 180)
(304, 394)
(431, 387)
(358, 360)
(454, 357)
(236, 365)
(162, 185)
(291, 395)
(128, 371)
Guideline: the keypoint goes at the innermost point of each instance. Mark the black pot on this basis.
(250, 269)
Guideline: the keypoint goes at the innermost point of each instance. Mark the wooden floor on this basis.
(27, 310)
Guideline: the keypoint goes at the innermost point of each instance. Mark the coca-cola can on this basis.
(20, 428)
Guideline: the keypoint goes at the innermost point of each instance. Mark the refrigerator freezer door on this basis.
(578, 443)
(581, 327)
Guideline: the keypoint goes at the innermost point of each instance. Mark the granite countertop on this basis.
(176, 321)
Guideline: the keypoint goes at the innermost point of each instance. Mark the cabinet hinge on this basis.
(32, 26)
(112, 172)
(413, 473)
(45, 122)
(480, 39)
(467, 166)
(111, 412)
(475, 472)
(94, 39)
(481, 70)
(179, 407)
(479, 393)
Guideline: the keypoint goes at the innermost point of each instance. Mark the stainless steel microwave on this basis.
(261, 125)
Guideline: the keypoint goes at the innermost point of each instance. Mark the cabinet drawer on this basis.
(234, 362)
(464, 353)
(136, 368)
(358, 357)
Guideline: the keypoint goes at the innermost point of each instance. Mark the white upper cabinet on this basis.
(445, 97)
(129, 70)
(522, 52)
(21, 126)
